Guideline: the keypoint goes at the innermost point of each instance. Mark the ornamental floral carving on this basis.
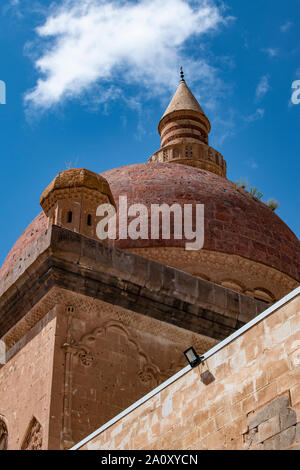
(148, 371)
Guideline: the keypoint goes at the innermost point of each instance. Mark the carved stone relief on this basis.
(3, 434)
(87, 352)
(253, 276)
(34, 436)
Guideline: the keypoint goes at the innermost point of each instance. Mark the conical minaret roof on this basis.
(183, 99)
(184, 130)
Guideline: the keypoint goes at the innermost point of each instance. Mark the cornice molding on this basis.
(83, 265)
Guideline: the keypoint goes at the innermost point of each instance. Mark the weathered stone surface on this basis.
(288, 418)
(269, 428)
(282, 440)
(297, 438)
(240, 409)
(119, 278)
(268, 411)
(26, 385)
(105, 358)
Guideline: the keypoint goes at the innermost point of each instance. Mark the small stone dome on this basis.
(72, 180)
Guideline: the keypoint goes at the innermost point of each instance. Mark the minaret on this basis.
(184, 130)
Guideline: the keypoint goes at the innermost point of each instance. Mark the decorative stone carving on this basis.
(148, 370)
(61, 297)
(3, 434)
(250, 275)
(188, 151)
(34, 436)
(87, 351)
(176, 153)
(263, 294)
(211, 154)
(85, 358)
(233, 285)
(199, 155)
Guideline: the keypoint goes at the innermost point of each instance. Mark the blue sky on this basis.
(88, 81)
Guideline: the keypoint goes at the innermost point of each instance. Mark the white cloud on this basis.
(271, 51)
(224, 127)
(286, 26)
(262, 87)
(259, 114)
(13, 7)
(252, 164)
(103, 41)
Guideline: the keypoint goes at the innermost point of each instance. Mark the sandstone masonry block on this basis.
(288, 418)
(268, 411)
(268, 428)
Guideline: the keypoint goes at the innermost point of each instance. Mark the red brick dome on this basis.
(235, 223)
(29, 236)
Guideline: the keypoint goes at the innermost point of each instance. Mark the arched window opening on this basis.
(70, 217)
(3, 435)
(89, 220)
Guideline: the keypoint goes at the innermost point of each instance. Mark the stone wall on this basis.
(79, 264)
(82, 363)
(119, 326)
(245, 396)
(106, 358)
(25, 387)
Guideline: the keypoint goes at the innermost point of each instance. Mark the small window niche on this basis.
(89, 220)
(70, 217)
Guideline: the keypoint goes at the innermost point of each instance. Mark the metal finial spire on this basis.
(181, 74)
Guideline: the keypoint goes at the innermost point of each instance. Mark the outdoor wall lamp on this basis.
(192, 357)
